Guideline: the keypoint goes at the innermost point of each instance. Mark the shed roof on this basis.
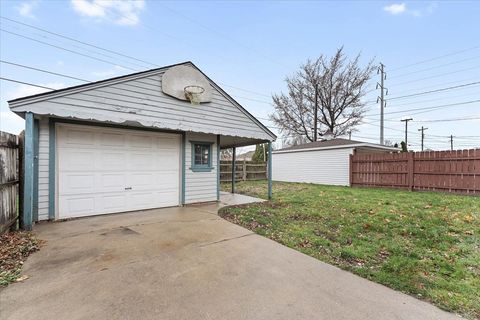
(336, 143)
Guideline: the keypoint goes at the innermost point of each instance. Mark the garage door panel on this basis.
(79, 137)
(140, 142)
(112, 203)
(80, 160)
(143, 161)
(112, 180)
(112, 160)
(115, 170)
(80, 182)
(75, 205)
(112, 140)
(166, 143)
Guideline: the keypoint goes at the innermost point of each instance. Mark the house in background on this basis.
(146, 140)
(322, 162)
(246, 156)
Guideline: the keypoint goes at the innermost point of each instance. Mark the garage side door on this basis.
(105, 170)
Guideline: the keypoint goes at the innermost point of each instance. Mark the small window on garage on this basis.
(201, 156)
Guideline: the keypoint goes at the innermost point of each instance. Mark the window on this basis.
(201, 156)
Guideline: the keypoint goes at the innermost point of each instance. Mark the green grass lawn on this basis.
(421, 243)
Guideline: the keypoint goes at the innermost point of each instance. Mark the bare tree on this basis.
(333, 86)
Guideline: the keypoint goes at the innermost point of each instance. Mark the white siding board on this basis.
(331, 167)
(200, 186)
(43, 145)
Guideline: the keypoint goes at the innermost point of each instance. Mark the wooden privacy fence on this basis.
(245, 171)
(10, 171)
(455, 171)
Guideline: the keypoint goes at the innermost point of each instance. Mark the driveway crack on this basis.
(226, 239)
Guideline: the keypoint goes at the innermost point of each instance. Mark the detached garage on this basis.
(322, 162)
(146, 140)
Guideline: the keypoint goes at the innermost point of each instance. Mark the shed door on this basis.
(104, 170)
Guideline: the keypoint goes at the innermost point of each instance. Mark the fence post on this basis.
(410, 171)
(244, 176)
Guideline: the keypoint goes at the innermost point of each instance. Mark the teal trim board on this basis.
(218, 167)
(269, 170)
(29, 172)
(234, 168)
(51, 168)
(184, 146)
(36, 128)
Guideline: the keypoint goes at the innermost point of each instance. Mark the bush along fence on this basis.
(456, 171)
(244, 171)
(10, 177)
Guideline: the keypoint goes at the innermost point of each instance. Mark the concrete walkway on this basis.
(187, 263)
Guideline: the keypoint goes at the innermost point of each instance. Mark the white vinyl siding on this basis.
(43, 158)
(322, 166)
(142, 101)
(200, 186)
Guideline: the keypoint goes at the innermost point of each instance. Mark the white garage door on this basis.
(103, 170)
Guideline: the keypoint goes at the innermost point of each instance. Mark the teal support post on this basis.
(51, 168)
(35, 170)
(28, 172)
(269, 170)
(218, 167)
(184, 146)
(233, 168)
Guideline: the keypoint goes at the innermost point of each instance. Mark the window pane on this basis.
(202, 153)
(198, 159)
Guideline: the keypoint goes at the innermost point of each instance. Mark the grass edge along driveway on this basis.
(421, 243)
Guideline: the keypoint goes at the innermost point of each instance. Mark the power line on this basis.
(110, 62)
(436, 58)
(65, 49)
(432, 68)
(78, 41)
(431, 107)
(436, 76)
(42, 70)
(26, 83)
(75, 78)
(434, 91)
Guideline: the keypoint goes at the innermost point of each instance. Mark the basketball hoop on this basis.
(193, 93)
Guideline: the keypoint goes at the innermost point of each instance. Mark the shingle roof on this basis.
(326, 143)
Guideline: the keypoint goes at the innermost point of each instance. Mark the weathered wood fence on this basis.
(456, 171)
(244, 171)
(10, 177)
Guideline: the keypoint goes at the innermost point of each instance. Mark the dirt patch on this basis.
(15, 247)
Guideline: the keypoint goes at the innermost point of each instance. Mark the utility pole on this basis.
(349, 134)
(315, 116)
(451, 142)
(383, 93)
(423, 134)
(406, 130)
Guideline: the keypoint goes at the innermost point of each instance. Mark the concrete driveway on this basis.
(187, 263)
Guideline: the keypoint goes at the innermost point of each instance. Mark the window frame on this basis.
(201, 167)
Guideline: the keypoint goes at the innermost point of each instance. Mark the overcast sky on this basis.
(250, 47)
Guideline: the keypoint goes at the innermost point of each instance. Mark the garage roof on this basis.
(336, 143)
(138, 99)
